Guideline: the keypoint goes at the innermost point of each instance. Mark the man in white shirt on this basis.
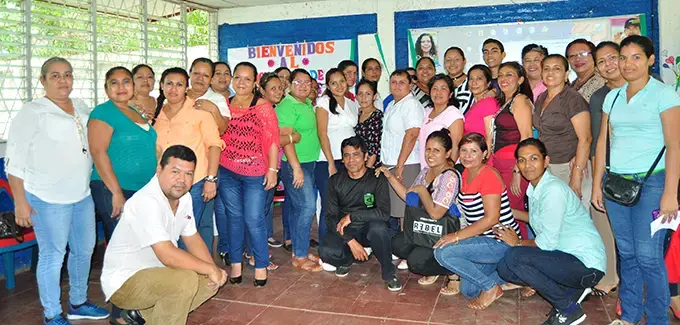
(143, 268)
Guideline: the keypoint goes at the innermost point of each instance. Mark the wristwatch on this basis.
(211, 179)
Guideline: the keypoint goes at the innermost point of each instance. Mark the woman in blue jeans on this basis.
(49, 167)
(123, 146)
(565, 237)
(247, 170)
(474, 251)
(295, 113)
(643, 116)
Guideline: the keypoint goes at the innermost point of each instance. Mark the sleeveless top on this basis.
(506, 129)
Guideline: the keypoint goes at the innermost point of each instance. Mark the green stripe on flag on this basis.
(643, 24)
(382, 54)
(353, 49)
(411, 48)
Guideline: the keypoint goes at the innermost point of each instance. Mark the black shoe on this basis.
(288, 247)
(313, 243)
(577, 317)
(551, 317)
(259, 283)
(394, 284)
(132, 317)
(274, 243)
(236, 280)
(342, 271)
(225, 258)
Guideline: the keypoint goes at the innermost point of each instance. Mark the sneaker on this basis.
(225, 258)
(87, 310)
(274, 243)
(551, 317)
(327, 267)
(342, 271)
(369, 251)
(394, 284)
(403, 265)
(577, 317)
(58, 320)
(395, 257)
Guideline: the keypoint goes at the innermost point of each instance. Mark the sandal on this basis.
(510, 286)
(452, 287)
(313, 258)
(477, 305)
(305, 264)
(427, 280)
(601, 293)
(271, 267)
(528, 292)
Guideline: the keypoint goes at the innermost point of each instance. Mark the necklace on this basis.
(458, 76)
(79, 125)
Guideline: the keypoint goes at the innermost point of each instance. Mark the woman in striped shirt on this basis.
(474, 252)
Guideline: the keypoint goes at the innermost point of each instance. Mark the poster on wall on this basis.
(554, 35)
(315, 57)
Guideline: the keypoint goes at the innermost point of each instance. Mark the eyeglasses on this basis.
(302, 83)
(574, 56)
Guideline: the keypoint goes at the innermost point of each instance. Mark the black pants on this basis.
(375, 234)
(555, 275)
(420, 259)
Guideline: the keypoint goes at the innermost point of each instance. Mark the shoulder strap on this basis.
(429, 187)
(658, 157)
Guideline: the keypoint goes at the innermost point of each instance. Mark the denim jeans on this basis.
(536, 268)
(55, 226)
(321, 181)
(103, 206)
(221, 223)
(285, 217)
(244, 201)
(642, 267)
(302, 206)
(474, 260)
(269, 209)
(203, 212)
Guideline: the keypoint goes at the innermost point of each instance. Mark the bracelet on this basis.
(515, 171)
(455, 241)
(519, 243)
(290, 138)
(577, 166)
(274, 170)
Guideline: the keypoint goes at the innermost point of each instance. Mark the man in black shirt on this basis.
(357, 214)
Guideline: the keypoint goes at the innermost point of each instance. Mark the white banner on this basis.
(315, 57)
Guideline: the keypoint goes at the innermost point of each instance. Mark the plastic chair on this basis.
(7, 249)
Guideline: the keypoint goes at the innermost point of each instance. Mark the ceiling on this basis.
(220, 4)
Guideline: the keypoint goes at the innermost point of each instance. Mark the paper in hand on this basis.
(656, 225)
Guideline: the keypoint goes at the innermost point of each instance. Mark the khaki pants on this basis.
(600, 219)
(163, 295)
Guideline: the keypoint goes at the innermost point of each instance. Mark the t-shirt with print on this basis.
(445, 187)
(300, 116)
(487, 182)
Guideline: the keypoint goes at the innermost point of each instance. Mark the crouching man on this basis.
(143, 268)
(358, 210)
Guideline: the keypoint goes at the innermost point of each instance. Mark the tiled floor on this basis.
(294, 297)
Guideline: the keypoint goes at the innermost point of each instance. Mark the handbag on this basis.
(618, 188)
(422, 230)
(9, 228)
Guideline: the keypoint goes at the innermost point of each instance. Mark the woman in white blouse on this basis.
(336, 116)
(49, 167)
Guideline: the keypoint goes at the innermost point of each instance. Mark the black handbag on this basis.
(419, 228)
(617, 187)
(9, 228)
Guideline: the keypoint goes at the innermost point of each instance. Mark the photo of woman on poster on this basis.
(426, 47)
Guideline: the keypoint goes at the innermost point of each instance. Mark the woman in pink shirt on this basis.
(442, 114)
(248, 169)
(479, 115)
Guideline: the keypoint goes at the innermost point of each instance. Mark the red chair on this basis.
(7, 249)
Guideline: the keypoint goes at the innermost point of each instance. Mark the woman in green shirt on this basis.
(296, 113)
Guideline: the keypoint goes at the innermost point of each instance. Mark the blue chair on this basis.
(7, 249)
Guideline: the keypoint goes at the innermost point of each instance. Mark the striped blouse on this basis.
(423, 97)
(470, 198)
(464, 96)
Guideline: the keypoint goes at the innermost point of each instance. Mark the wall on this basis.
(669, 11)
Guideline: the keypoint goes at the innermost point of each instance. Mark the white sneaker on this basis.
(403, 265)
(368, 250)
(394, 257)
(327, 267)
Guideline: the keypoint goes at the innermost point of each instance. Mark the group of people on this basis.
(514, 152)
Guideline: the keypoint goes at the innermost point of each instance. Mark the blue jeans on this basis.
(321, 181)
(536, 268)
(302, 206)
(269, 209)
(285, 217)
(203, 212)
(55, 226)
(474, 260)
(222, 225)
(244, 198)
(641, 256)
(103, 206)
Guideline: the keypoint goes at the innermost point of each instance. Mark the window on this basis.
(94, 35)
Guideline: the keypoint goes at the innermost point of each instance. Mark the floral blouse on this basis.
(370, 132)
